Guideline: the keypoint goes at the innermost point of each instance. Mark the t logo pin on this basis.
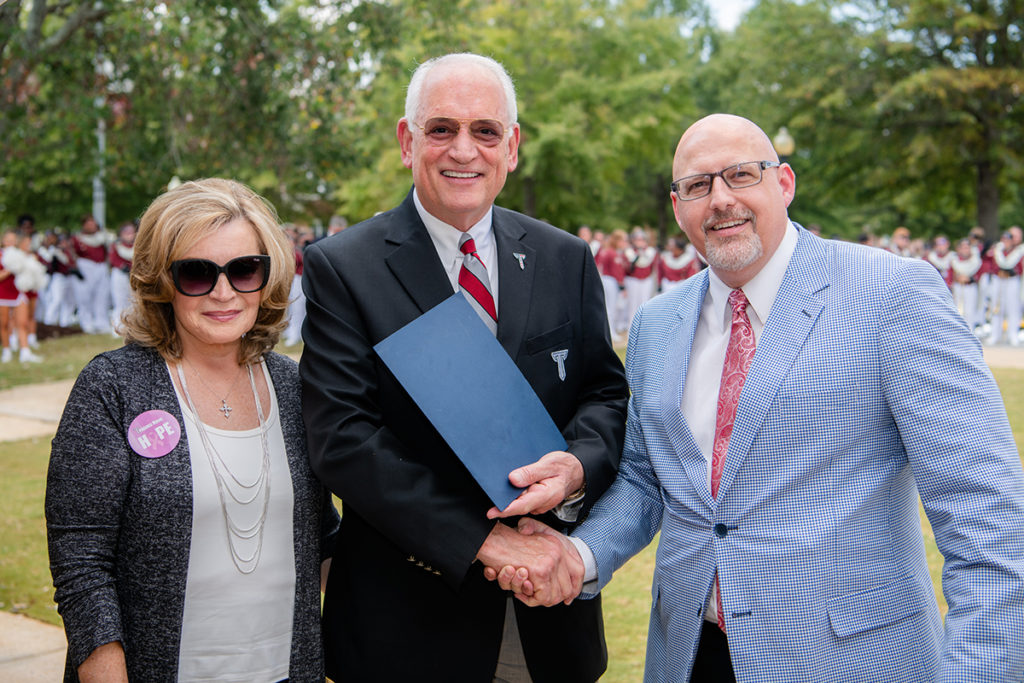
(559, 357)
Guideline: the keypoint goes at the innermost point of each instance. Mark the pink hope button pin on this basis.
(154, 434)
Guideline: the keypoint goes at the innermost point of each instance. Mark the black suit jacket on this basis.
(405, 600)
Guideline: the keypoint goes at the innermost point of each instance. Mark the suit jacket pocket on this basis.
(879, 606)
(546, 340)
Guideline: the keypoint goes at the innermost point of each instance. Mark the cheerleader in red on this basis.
(16, 269)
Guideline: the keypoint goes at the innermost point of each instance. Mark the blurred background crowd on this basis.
(64, 282)
(53, 282)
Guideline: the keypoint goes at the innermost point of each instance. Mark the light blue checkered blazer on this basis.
(865, 389)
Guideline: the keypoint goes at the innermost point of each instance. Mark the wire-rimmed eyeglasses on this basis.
(737, 177)
(441, 130)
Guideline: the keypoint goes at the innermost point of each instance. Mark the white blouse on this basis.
(238, 627)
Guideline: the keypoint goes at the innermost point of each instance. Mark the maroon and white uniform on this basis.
(641, 280)
(25, 276)
(942, 264)
(121, 256)
(672, 270)
(965, 287)
(92, 290)
(10, 296)
(1010, 261)
(59, 299)
(612, 265)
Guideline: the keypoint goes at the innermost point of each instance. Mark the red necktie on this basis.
(734, 373)
(475, 283)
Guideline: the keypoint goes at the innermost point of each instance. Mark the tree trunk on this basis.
(988, 198)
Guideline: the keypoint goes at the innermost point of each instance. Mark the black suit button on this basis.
(721, 530)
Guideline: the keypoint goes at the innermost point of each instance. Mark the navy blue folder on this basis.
(474, 395)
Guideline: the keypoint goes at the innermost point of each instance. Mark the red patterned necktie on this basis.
(475, 283)
(734, 373)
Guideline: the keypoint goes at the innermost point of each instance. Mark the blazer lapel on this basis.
(517, 268)
(797, 306)
(414, 262)
(674, 375)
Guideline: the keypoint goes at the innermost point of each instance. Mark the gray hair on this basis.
(412, 97)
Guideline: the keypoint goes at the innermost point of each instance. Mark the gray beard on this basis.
(734, 254)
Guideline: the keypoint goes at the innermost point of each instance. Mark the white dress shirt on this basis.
(707, 358)
(446, 241)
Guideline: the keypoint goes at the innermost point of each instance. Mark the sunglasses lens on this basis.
(196, 276)
(247, 273)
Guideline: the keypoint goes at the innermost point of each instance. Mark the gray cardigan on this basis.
(119, 525)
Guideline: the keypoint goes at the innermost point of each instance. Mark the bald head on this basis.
(736, 229)
(709, 132)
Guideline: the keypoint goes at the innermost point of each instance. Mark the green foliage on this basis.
(903, 112)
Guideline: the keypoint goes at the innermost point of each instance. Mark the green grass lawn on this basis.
(63, 358)
(25, 579)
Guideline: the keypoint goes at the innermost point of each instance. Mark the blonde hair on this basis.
(175, 222)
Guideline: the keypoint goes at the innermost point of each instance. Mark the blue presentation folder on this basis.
(474, 395)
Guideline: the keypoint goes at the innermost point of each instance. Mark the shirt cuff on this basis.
(589, 564)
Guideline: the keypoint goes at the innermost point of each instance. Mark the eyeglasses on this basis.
(198, 276)
(440, 131)
(746, 174)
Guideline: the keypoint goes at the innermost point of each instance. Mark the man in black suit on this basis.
(406, 597)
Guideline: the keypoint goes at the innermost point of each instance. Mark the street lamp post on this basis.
(784, 144)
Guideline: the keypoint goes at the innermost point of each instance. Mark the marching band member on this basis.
(640, 281)
(677, 263)
(964, 265)
(121, 256)
(1007, 254)
(92, 290)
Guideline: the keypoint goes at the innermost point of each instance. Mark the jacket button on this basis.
(721, 530)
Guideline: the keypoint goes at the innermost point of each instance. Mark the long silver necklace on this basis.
(259, 488)
(224, 407)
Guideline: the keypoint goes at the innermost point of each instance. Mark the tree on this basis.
(249, 90)
(45, 126)
(601, 88)
(956, 93)
(29, 34)
(904, 112)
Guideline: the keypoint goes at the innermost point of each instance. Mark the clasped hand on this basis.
(540, 565)
(548, 482)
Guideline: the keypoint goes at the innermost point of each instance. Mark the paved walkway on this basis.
(30, 650)
(33, 651)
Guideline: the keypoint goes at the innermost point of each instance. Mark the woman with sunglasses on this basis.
(186, 530)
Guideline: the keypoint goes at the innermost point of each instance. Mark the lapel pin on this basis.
(559, 357)
(521, 258)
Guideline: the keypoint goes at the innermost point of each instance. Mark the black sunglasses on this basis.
(198, 276)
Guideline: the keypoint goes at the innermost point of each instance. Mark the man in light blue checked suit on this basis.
(866, 389)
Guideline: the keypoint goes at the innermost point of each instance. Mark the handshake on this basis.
(539, 564)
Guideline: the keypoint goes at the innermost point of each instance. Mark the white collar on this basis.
(446, 237)
(761, 290)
